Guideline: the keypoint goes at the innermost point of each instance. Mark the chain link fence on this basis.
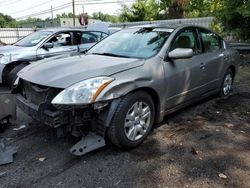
(11, 35)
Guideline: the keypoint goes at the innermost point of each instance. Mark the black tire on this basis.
(13, 74)
(222, 93)
(116, 131)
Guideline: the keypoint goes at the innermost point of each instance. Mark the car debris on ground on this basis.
(41, 159)
(20, 127)
(6, 152)
(222, 176)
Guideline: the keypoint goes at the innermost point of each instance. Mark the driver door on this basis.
(184, 77)
(61, 43)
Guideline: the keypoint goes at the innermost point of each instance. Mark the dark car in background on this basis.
(44, 44)
(127, 82)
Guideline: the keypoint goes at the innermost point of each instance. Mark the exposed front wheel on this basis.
(132, 120)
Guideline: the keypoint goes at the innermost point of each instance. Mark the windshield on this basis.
(33, 39)
(133, 43)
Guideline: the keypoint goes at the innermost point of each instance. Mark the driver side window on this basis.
(186, 39)
(61, 39)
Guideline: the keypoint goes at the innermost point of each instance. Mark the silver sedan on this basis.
(127, 82)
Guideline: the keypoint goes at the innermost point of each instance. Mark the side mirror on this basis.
(181, 53)
(48, 45)
(84, 51)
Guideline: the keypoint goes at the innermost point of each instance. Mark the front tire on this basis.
(227, 84)
(132, 120)
(13, 74)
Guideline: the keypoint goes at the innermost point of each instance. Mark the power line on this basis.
(77, 3)
(96, 2)
(24, 10)
(5, 4)
(66, 5)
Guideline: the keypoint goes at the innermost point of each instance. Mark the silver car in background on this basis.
(127, 82)
(44, 44)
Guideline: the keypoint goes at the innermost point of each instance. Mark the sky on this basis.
(21, 9)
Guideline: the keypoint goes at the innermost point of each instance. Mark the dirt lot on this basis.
(189, 149)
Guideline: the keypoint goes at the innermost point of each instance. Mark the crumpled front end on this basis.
(35, 101)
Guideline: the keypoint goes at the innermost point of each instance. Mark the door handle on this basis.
(41, 56)
(225, 57)
(202, 66)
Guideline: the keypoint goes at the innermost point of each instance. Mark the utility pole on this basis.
(73, 6)
(51, 11)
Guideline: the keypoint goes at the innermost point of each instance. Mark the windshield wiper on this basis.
(110, 54)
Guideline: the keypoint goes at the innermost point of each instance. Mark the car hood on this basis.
(11, 49)
(62, 73)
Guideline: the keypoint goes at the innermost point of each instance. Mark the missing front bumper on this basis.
(52, 118)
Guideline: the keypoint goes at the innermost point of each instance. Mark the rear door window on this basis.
(90, 37)
(211, 42)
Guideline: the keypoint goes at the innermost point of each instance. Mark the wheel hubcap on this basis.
(137, 121)
(227, 87)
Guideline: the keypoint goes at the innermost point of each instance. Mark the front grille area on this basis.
(35, 100)
(38, 94)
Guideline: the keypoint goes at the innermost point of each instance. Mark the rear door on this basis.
(214, 58)
(63, 42)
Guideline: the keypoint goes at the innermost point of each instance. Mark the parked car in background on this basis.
(127, 82)
(44, 44)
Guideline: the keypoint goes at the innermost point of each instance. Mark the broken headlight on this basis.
(84, 92)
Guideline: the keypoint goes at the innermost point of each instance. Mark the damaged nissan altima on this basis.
(126, 82)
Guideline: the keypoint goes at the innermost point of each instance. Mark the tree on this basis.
(7, 21)
(65, 15)
(199, 8)
(235, 17)
(174, 8)
(141, 10)
(105, 17)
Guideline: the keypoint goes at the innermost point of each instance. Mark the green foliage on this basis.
(235, 17)
(198, 8)
(141, 10)
(7, 21)
(232, 16)
(105, 17)
(65, 15)
(173, 8)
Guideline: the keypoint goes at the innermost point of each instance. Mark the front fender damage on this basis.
(95, 139)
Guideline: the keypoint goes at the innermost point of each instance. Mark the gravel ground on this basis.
(191, 148)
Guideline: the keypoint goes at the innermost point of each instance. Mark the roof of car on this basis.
(56, 29)
(167, 26)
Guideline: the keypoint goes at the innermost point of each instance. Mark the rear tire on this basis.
(13, 74)
(227, 84)
(132, 120)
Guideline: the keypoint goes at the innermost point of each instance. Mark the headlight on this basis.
(84, 92)
(5, 59)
